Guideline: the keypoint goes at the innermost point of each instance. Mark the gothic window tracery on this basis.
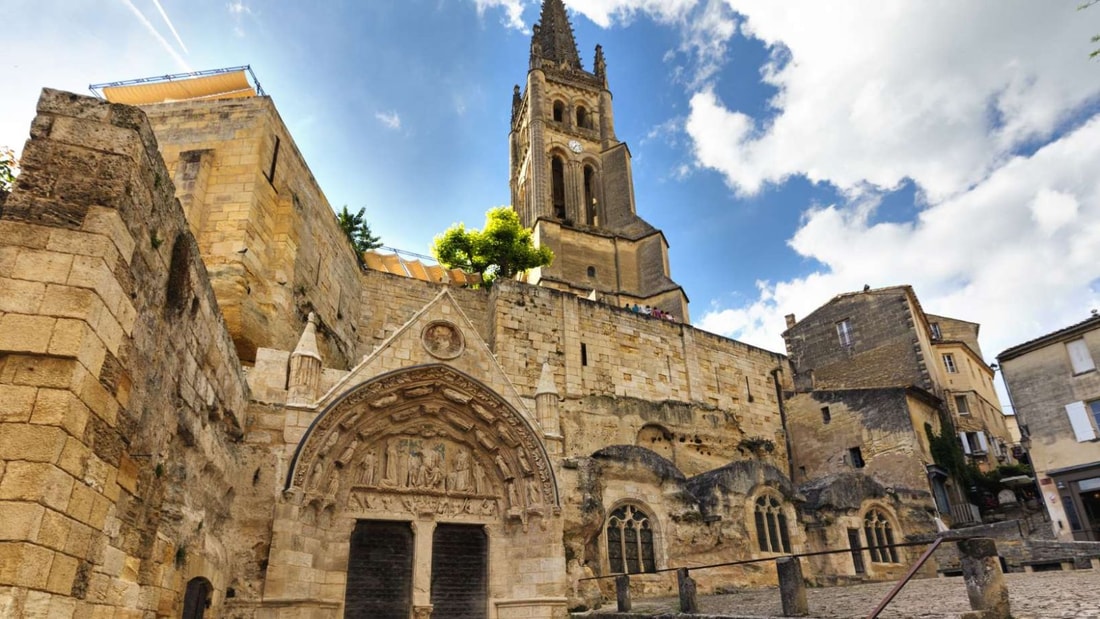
(630, 541)
(880, 537)
(771, 525)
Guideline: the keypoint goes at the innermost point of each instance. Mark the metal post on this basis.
(792, 588)
(688, 603)
(622, 592)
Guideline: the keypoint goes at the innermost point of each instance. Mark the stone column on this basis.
(423, 534)
(546, 403)
(985, 582)
(792, 588)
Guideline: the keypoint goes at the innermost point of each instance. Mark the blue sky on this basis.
(790, 150)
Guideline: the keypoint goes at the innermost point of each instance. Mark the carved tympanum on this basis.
(427, 441)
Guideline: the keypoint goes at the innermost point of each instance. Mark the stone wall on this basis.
(886, 424)
(121, 390)
(886, 349)
(265, 229)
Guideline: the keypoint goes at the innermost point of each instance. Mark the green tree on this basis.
(357, 230)
(9, 168)
(1096, 38)
(502, 249)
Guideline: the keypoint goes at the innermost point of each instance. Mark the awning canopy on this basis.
(221, 86)
(227, 83)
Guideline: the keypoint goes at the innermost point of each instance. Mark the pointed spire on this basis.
(553, 36)
(307, 345)
(546, 381)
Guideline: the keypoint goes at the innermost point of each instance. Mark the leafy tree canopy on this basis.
(357, 230)
(502, 249)
(9, 168)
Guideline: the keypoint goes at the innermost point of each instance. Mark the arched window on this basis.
(557, 186)
(771, 525)
(582, 117)
(880, 537)
(197, 598)
(591, 217)
(630, 541)
(559, 111)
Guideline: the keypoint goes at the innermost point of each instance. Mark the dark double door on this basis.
(380, 571)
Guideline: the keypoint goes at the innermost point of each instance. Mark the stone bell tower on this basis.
(571, 179)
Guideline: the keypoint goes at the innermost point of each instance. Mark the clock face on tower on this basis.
(575, 146)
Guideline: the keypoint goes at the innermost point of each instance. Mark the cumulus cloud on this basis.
(605, 12)
(391, 120)
(938, 92)
(1001, 253)
(513, 11)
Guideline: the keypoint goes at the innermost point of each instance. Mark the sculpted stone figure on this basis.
(505, 470)
(367, 468)
(390, 477)
(458, 480)
(533, 495)
(433, 468)
(349, 451)
(481, 484)
(415, 478)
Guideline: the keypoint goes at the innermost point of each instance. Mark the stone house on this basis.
(1055, 391)
(873, 373)
(206, 405)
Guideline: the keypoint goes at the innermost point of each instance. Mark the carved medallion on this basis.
(442, 340)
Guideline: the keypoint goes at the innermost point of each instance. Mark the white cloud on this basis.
(239, 10)
(939, 92)
(513, 11)
(978, 255)
(391, 120)
(1053, 209)
(604, 12)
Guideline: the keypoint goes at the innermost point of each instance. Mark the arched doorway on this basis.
(196, 599)
(419, 469)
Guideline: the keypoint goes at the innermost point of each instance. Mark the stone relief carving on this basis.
(442, 340)
(428, 434)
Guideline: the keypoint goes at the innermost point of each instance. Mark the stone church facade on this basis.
(206, 406)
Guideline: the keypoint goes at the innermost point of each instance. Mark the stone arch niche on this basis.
(428, 441)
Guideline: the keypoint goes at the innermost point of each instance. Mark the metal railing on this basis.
(622, 579)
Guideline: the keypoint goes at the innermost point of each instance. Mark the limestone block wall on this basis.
(620, 372)
(886, 348)
(121, 390)
(389, 301)
(887, 425)
(266, 231)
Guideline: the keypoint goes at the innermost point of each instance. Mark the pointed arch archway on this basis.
(426, 439)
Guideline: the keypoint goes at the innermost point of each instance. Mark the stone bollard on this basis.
(985, 582)
(792, 588)
(622, 592)
(688, 603)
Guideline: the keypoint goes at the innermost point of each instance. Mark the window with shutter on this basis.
(1079, 356)
(1079, 419)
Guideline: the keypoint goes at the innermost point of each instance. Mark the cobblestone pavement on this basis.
(1042, 595)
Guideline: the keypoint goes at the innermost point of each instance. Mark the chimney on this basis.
(790, 320)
